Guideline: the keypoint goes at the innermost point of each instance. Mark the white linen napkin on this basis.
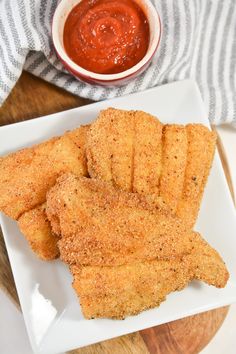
(198, 42)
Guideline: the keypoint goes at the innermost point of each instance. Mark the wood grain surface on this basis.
(32, 98)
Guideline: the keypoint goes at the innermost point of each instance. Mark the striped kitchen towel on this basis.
(198, 42)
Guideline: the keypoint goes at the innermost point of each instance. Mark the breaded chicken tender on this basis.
(135, 152)
(27, 175)
(102, 225)
(118, 292)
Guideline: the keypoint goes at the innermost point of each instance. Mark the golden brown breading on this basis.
(69, 153)
(98, 145)
(147, 154)
(37, 230)
(174, 159)
(205, 263)
(201, 148)
(26, 176)
(121, 148)
(124, 147)
(118, 292)
(22, 179)
(131, 150)
(101, 225)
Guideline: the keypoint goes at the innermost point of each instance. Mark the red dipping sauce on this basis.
(106, 36)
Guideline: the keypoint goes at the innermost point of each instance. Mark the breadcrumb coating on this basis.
(201, 148)
(147, 158)
(121, 291)
(126, 232)
(135, 152)
(36, 228)
(174, 159)
(27, 175)
(101, 225)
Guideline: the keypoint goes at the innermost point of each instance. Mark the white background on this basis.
(13, 336)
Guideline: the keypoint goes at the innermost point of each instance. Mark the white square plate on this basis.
(51, 310)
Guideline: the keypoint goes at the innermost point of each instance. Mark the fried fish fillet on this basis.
(118, 292)
(36, 228)
(147, 157)
(174, 160)
(119, 150)
(27, 175)
(126, 251)
(135, 152)
(122, 150)
(112, 159)
(98, 145)
(101, 225)
(22, 179)
(201, 148)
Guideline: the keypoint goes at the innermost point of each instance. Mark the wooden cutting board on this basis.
(32, 98)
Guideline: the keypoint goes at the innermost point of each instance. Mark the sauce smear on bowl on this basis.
(106, 36)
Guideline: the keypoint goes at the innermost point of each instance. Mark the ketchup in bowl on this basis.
(106, 36)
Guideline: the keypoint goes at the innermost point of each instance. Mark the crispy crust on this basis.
(124, 147)
(101, 225)
(201, 148)
(27, 175)
(36, 228)
(133, 151)
(174, 159)
(118, 292)
(98, 147)
(147, 154)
